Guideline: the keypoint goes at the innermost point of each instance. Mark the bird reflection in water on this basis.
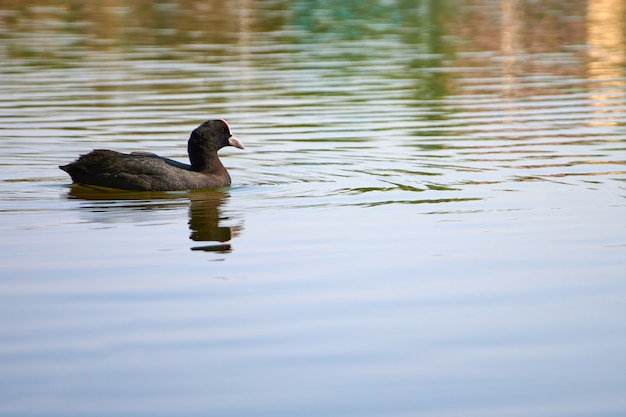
(205, 213)
(205, 220)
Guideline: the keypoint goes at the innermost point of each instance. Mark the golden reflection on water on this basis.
(244, 38)
(513, 24)
(606, 38)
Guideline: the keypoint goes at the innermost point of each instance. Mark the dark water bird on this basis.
(143, 171)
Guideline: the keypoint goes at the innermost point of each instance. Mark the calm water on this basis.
(429, 218)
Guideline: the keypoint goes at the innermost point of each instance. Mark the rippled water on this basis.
(428, 217)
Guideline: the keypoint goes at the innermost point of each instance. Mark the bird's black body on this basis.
(149, 172)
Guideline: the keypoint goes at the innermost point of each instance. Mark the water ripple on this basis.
(351, 122)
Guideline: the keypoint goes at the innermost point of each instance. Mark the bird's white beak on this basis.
(233, 141)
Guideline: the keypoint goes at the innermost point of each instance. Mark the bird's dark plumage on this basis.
(149, 172)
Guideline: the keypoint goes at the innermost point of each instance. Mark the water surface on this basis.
(428, 218)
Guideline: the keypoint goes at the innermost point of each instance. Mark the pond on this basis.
(429, 217)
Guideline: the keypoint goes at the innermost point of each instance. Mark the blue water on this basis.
(428, 218)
